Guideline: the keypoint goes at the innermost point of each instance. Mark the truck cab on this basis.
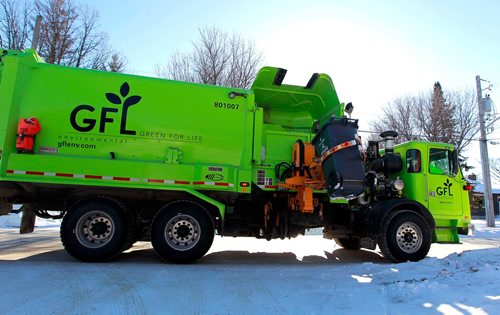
(433, 177)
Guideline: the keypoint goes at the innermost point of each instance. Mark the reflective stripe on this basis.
(214, 184)
(337, 148)
(119, 178)
(68, 175)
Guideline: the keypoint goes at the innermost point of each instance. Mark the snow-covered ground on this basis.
(13, 220)
(306, 275)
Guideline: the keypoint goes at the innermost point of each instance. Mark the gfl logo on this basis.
(90, 120)
(446, 190)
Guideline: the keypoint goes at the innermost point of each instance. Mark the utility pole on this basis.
(36, 32)
(485, 162)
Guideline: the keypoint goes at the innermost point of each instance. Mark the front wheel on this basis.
(405, 235)
(182, 232)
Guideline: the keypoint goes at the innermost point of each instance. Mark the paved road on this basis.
(238, 276)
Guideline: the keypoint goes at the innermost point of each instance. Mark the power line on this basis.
(421, 137)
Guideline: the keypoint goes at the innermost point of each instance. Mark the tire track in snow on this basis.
(252, 296)
(98, 289)
(125, 299)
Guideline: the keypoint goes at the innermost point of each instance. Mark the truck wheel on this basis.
(348, 242)
(96, 230)
(405, 235)
(182, 232)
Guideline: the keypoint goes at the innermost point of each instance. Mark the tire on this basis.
(96, 230)
(348, 242)
(182, 232)
(405, 236)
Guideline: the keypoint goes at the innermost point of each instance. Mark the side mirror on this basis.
(454, 162)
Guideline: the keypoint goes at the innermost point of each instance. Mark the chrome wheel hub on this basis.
(182, 232)
(409, 237)
(95, 229)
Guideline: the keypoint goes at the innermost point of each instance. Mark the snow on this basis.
(13, 220)
(306, 275)
(480, 229)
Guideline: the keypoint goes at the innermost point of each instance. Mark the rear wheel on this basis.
(348, 242)
(405, 235)
(182, 232)
(96, 230)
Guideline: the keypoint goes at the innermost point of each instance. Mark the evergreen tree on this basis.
(438, 116)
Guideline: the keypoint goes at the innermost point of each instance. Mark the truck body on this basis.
(124, 158)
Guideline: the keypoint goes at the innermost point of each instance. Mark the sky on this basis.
(375, 51)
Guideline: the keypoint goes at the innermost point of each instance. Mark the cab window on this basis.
(413, 161)
(440, 162)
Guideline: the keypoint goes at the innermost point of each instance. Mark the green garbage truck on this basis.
(123, 158)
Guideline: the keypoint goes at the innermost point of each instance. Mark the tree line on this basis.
(217, 58)
(438, 116)
(69, 34)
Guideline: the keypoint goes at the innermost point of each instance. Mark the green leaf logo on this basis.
(134, 99)
(113, 98)
(124, 91)
(447, 183)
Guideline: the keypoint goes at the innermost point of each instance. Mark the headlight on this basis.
(398, 185)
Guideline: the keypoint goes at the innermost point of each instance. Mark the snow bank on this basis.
(460, 283)
(306, 275)
(235, 280)
(482, 231)
(13, 220)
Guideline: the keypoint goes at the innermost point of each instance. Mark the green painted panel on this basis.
(93, 121)
(295, 107)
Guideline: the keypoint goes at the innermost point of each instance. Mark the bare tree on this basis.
(399, 116)
(466, 122)
(57, 35)
(217, 58)
(178, 68)
(245, 61)
(495, 169)
(14, 24)
(89, 42)
(70, 35)
(443, 116)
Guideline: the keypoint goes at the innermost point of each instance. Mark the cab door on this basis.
(444, 183)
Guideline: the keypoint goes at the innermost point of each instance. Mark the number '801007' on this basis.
(226, 105)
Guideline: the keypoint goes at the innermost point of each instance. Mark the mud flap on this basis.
(369, 243)
(27, 220)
